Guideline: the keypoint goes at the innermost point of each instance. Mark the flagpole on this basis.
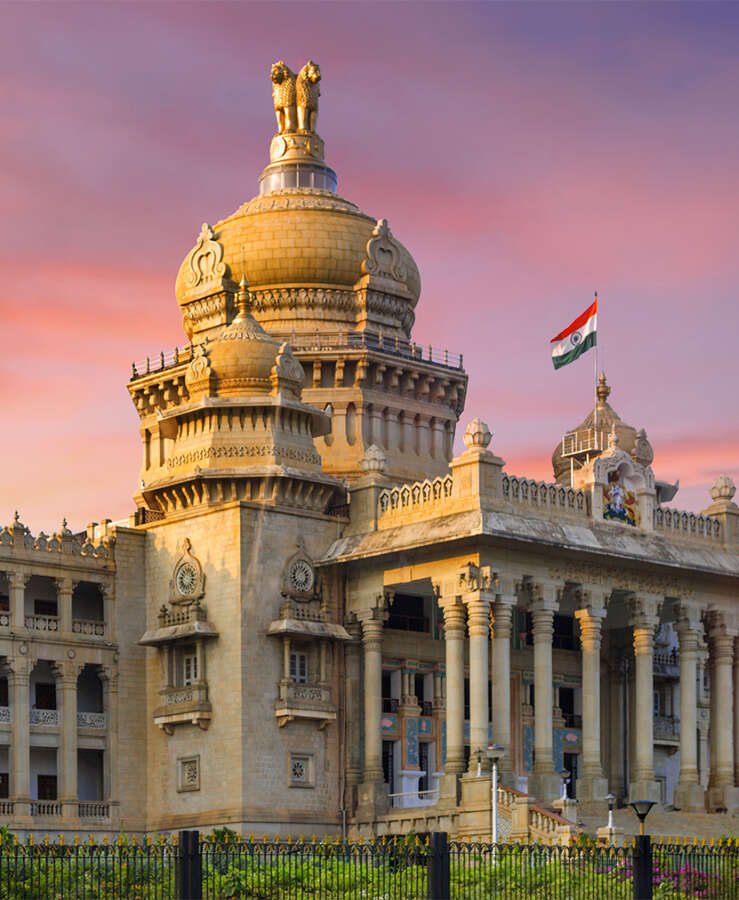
(596, 373)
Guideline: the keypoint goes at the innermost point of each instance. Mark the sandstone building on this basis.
(317, 615)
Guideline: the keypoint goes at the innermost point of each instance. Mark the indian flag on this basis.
(578, 337)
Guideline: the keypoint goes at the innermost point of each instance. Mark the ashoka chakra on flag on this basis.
(578, 337)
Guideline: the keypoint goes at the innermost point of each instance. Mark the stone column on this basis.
(20, 761)
(353, 705)
(66, 681)
(109, 677)
(644, 620)
(502, 615)
(17, 582)
(108, 592)
(478, 621)
(591, 786)
(544, 783)
(64, 590)
(721, 791)
(454, 634)
(373, 791)
(689, 795)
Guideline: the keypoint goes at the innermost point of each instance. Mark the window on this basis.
(45, 696)
(189, 667)
(408, 614)
(4, 786)
(656, 703)
(565, 636)
(46, 787)
(423, 759)
(299, 667)
(301, 772)
(389, 702)
(4, 603)
(3, 691)
(466, 698)
(44, 607)
(388, 764)
(567, 707)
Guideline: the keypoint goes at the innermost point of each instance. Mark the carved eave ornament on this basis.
(205, 294)
(385, 266)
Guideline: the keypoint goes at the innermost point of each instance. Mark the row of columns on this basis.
(67, 673)
(478, 595)
(17, 582)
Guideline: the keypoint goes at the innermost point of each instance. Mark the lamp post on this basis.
(610, 798)
(494, 753)
(478, 754)
(643, 855)
(642, 809)
(565, 776)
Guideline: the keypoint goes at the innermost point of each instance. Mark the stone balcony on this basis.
(667, 730)
(96, 720)
(304, 701)
(183, 704)
(44, 717)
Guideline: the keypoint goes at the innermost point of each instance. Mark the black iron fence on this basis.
(431, 867)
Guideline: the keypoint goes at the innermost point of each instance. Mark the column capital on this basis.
(543, 596)
(593, 600)
(65, 585)
(475, 581)
(67, 671)
(591, 623)
(644, 610)
(720, 625)
(20, 667)
(689, 617)
(17, 579)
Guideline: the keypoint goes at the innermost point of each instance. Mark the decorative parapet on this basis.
(44, 717)
(413, 497)
(41, 623)
(666, 728)
(304, 701)
(93, 627)
(17, 538)
(541, 495)
(686, 524)
(5, 715)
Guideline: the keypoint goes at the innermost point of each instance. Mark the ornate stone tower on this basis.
(340, 289)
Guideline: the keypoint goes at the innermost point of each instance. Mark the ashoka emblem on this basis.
(575, 338)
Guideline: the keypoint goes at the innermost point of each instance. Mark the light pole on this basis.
(642, 808)
(565, 776)
(494, 753)
(610, 798)
(478, 754)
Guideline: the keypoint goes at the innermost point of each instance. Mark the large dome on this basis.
(313, 260)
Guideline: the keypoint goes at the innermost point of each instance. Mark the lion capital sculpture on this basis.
(284, 94)
(308, 91)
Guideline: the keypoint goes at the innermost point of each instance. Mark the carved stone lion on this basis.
(308, 92)
(283, 93)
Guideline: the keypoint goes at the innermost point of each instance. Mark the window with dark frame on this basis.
(46, 785)
(45, 695)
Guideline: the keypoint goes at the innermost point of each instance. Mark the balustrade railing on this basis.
(7, 807)
(46, 808)
(41, 623)
(667, 727)
(93, 627)
(414, 496)
(5, 714)
(93, 810)
(540, 494)
(91, 720)
(687, 524)
(311, 693)
(44, 717)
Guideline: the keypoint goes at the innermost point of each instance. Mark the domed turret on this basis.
(590, 438)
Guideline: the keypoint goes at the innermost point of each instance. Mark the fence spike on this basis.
(61, 839)
(289, 839)
(105, 840)
(30, 840)
(301, 839)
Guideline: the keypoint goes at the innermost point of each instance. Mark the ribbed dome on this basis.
(243, 357)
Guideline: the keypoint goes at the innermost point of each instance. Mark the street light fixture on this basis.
(642, 809)
(494, 752)
(478, 754)
(565, 776)
(611, 800)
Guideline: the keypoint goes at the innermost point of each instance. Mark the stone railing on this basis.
(5, 715)
(41, 623)
(46, 808)
(545, 824)
(308, 693)
(5, 619)
(687, 524)
(91, 720)
(541, 495)
(19, 537)
(93, 627)
(411, 497)
(44, 717)
(93, 810)
(181, 615)
(7, 807)
(667, 728)
(179, 695)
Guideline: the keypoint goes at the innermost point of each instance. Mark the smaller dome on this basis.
(723, 488)
(244, 360)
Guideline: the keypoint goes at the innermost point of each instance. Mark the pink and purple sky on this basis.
(526, 155)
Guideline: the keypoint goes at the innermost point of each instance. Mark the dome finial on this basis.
(603, 389)
(242, 297)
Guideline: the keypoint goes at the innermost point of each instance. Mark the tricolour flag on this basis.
(576, 338)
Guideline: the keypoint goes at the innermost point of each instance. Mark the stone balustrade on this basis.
(4, 619)
(19, 538)
(667, 728)
(89, 627)
(542, 495)
(312, 693)
(46, 808)
(7, 808)
(413, 497)
(5, 715)
(93, 810)
(91, 720)
(44, 717)
(687, 524)
(41, 623)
